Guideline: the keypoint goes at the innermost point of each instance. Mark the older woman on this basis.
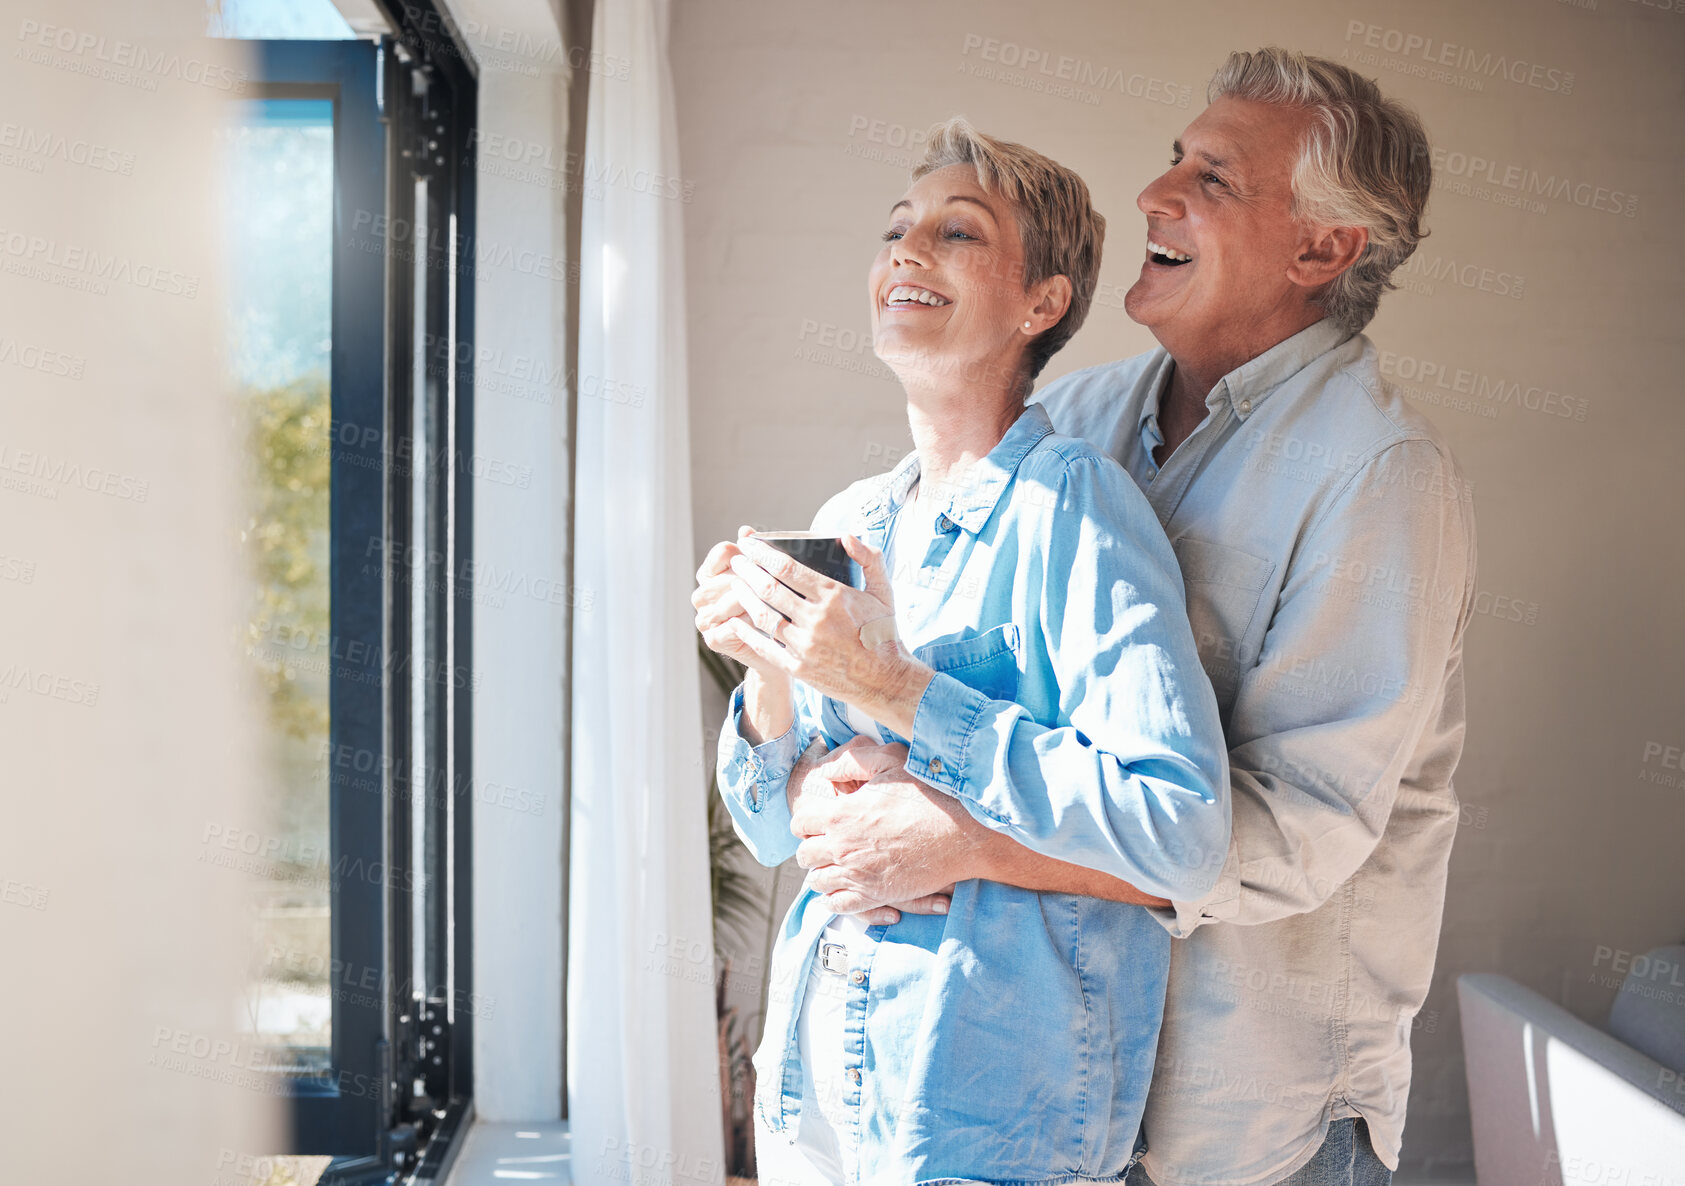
(1022, 630)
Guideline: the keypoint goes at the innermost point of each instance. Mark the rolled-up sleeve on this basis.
(1132, 782)
(753, 779)
(1352, 674)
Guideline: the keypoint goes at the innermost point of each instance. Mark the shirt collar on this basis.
(1252, 382)
(970, 504)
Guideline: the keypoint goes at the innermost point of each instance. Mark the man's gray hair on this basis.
(1364, 163)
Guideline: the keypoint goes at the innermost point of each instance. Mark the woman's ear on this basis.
(1053, 300)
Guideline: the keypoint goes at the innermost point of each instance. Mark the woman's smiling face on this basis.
(947, 288)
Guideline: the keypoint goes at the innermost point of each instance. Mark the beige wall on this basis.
(794, 119)
(129, 717)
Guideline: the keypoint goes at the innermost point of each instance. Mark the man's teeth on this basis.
(1158, 249)
(904, 292)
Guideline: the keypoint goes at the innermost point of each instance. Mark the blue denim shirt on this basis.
(1012, 1039)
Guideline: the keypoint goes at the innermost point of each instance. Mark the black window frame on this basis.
(399, 1090)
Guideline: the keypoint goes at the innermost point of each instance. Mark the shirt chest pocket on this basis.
(1225, 587)
(987, 663)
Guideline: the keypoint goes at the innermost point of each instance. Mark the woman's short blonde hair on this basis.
(1061, 232)
(1364, 162)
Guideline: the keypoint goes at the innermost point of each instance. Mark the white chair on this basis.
(1557, 1102)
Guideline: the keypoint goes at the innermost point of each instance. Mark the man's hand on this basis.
(886, 838)
(875, 835)
(811, 779)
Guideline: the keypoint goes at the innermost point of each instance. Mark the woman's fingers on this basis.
(768, 654)
(807, 583)
(768, 588)
(717, 561)
(879, 916)
(862, 763)
(872, 567)
(851, 902)
(766, 619)
(723, 640)
(715, 601)
(814, 852)
(929, 904)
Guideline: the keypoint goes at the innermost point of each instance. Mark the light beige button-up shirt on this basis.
(1326, 540)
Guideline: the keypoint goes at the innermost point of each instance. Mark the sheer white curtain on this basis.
(643, 1070)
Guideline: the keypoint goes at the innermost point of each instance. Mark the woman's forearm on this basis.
(768, 707)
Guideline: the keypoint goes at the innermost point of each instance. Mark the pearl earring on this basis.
(1026, 325)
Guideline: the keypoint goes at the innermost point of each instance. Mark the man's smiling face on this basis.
(1220, 231)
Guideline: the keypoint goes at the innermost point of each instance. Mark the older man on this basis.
(1326, 542)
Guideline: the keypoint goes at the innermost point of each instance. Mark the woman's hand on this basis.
(719, 614)
(809, 627)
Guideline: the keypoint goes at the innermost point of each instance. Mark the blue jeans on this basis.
(1345, 1159)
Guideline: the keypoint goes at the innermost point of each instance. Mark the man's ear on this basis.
(1325, 253)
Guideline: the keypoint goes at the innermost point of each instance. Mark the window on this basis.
(349, 188)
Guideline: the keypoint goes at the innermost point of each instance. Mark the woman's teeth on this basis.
(1166, 255)
(902, 293)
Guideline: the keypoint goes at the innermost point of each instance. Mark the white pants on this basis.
(823, 1152)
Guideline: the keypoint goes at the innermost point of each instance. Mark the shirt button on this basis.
(943, 523)
(1245, 405)
(854, 1075)
(858, 976)
(936, 765)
